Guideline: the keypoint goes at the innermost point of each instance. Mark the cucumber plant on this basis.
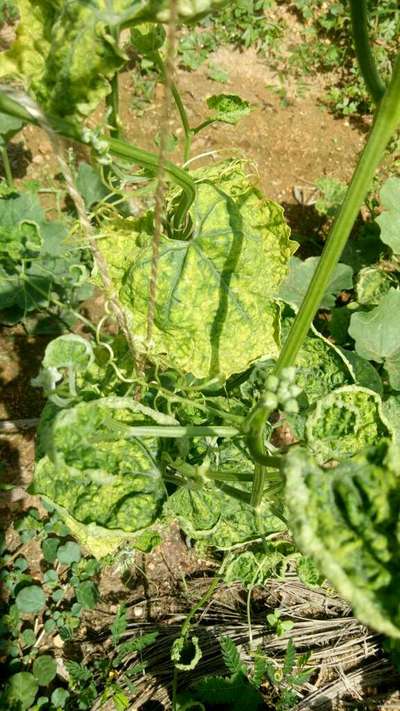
(191, 428)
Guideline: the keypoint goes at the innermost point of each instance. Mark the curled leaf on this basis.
(345, 422)
(347, 520)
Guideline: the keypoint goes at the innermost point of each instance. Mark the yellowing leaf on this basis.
(215, 309)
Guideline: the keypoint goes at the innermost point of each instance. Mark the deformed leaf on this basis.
(216, 518)
(186, 653)
(347, 520)
(376, 332)
(66, 53)
(215, 310)
(96, 474)
(300, 274)
(228, 108)
(345, 422)
(372, 284)
(389, 219)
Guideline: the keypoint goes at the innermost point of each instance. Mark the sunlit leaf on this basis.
(347, 520)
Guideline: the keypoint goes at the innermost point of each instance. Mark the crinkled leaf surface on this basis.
(389, 220)
(345, 422)
(372, 284)
(347, 519)
(228, 108)
(208, 514)
(300, 274)
(215, 311)
(66, 54)
(96, 474)
(376, 332)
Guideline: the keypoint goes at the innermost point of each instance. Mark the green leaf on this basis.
(228, 108)
(94, 473)
(66, 54)
(59, 697)
(90, 185)
(28, 637)
(236, 692)
(376, 332)
(69, 553)
(213, 314)
(372, 284)
(389, 220)
(49, 549)
(289, 659)
(44, 669)
(87, 594)
(345, 519)
(9, 126)
(231, 656)
(345, 422)
(30, 599)
(300, 274)
(21, 690)
(119, 625)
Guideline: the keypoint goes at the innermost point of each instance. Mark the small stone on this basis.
(138, 611)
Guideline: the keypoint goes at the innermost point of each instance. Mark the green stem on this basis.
(7, 167)
(176, 431)
(205, 123)
(156, 57)
(365, 57)
(258, 486)
(112, 99)
(119, 148)
(387, 120)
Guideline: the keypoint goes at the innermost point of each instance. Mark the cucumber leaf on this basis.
(376, 332)
(389, 220)
(347, 520)
(96, 474)
(300, 274)
(228, 108)
(215, 310)
(345, 422)
(66, 53)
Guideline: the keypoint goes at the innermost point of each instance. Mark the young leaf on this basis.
(69, 553)
(30, 599)
(119, 625)
(344, 518)
(289, 660)
(345, 422)
(228, 108)
(231, 656)
(389, 219)
(21, 690)
(44, 669)
(59, 697)
(87, 594)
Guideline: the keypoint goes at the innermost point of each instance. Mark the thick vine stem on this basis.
(118, 147)
(365, 56)
(386, 122)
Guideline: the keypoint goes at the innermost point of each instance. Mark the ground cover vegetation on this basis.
(231, 386)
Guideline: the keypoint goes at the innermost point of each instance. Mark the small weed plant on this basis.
(173, 406)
